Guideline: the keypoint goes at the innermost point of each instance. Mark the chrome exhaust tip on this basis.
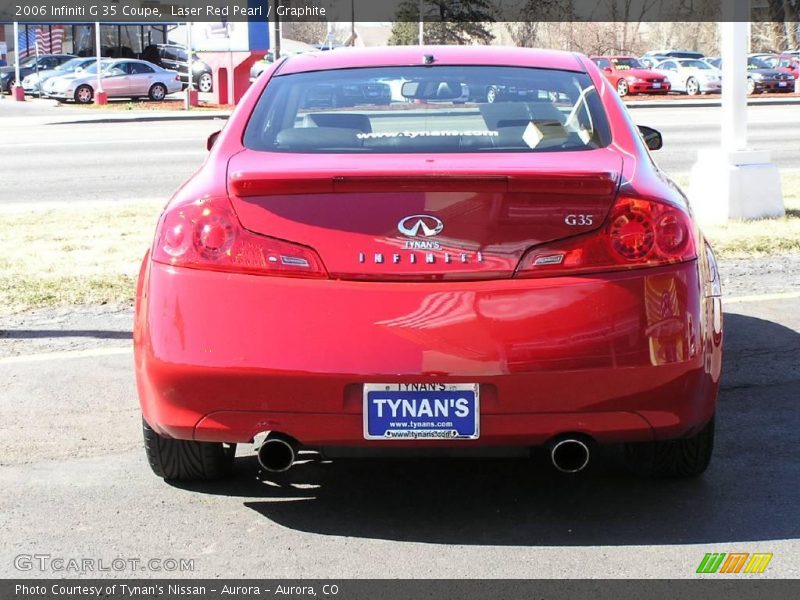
(569, 455)
(278, 453)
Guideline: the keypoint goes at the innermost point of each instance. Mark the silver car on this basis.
(121, 77)
(690, 75)
(34, 83)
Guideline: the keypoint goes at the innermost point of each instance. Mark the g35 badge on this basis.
(577, 220)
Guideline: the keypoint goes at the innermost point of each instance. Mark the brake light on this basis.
(638, 233)
(206, 234)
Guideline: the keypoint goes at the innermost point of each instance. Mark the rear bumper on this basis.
(618, 357)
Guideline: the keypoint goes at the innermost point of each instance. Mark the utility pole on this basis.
(421, 26)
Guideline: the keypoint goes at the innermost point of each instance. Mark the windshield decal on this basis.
(376, 135)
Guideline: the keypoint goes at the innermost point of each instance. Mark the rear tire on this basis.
(751, 87)
(205, 84)
(158, 91)
(680, 458)
(692, 87)
(186, 459)
(622, 88)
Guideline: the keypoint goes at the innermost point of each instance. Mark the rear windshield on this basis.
(429, 109)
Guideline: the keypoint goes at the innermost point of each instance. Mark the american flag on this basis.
(26, 42)
(50, 39)
(46, 39)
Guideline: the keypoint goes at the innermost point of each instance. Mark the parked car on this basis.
(651, 61)
(785, 63)
(761, 78)
(176, 58)
(674, 54)
(629, 76)
(124, 77)
(517, 275)
(690, 75)
(43, 62)
(34, 83)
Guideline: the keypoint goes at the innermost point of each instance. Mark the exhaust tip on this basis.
(277, 454)
(570, 455)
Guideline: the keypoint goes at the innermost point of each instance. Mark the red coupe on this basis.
(429, 275)
(629, 76)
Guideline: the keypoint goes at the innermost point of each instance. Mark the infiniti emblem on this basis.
(424, 225)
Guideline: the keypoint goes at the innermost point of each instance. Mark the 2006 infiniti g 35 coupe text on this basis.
(375, 258)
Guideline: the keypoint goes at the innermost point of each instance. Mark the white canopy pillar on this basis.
(733, 181)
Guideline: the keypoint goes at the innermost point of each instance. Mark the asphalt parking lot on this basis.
(76, 483)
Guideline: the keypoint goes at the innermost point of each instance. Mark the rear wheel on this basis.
(205, 83)
(692, 87)
(491, 95)
(158, 91)
(681, 458)
(187, 459)
(751, 87)
(622, 88)
(84, 94)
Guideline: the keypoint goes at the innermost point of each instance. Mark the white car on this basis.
(122, 77)
(690, 75)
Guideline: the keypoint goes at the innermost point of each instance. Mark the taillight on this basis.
(206, 234)
(638, 233)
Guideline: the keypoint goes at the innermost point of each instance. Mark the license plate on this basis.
(781, 84)
(408, 411)
(656, 86)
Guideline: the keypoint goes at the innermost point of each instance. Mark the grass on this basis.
(90, 254)
(72, 255)
(759, 237)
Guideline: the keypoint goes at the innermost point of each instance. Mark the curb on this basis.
(141, 117)
(712, 103)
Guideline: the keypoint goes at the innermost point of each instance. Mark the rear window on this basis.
(429, 109)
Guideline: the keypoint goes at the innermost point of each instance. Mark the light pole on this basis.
(19, 93)
(100, 96)
(732, 181)
(191, 93)
(421, 26)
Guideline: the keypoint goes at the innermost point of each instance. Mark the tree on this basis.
(308, 32)
(446, 22)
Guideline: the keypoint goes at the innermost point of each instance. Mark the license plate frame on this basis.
(412, 421)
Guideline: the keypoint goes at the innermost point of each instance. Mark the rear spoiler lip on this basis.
(599, 183)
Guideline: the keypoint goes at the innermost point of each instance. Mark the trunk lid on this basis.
(423, 216)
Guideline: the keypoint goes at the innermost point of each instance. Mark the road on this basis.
(70, 159)
(75, 483)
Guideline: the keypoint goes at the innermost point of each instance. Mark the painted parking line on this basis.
(760, 298)
(65, 354)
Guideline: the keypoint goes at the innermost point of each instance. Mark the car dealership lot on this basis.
(77, 483)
